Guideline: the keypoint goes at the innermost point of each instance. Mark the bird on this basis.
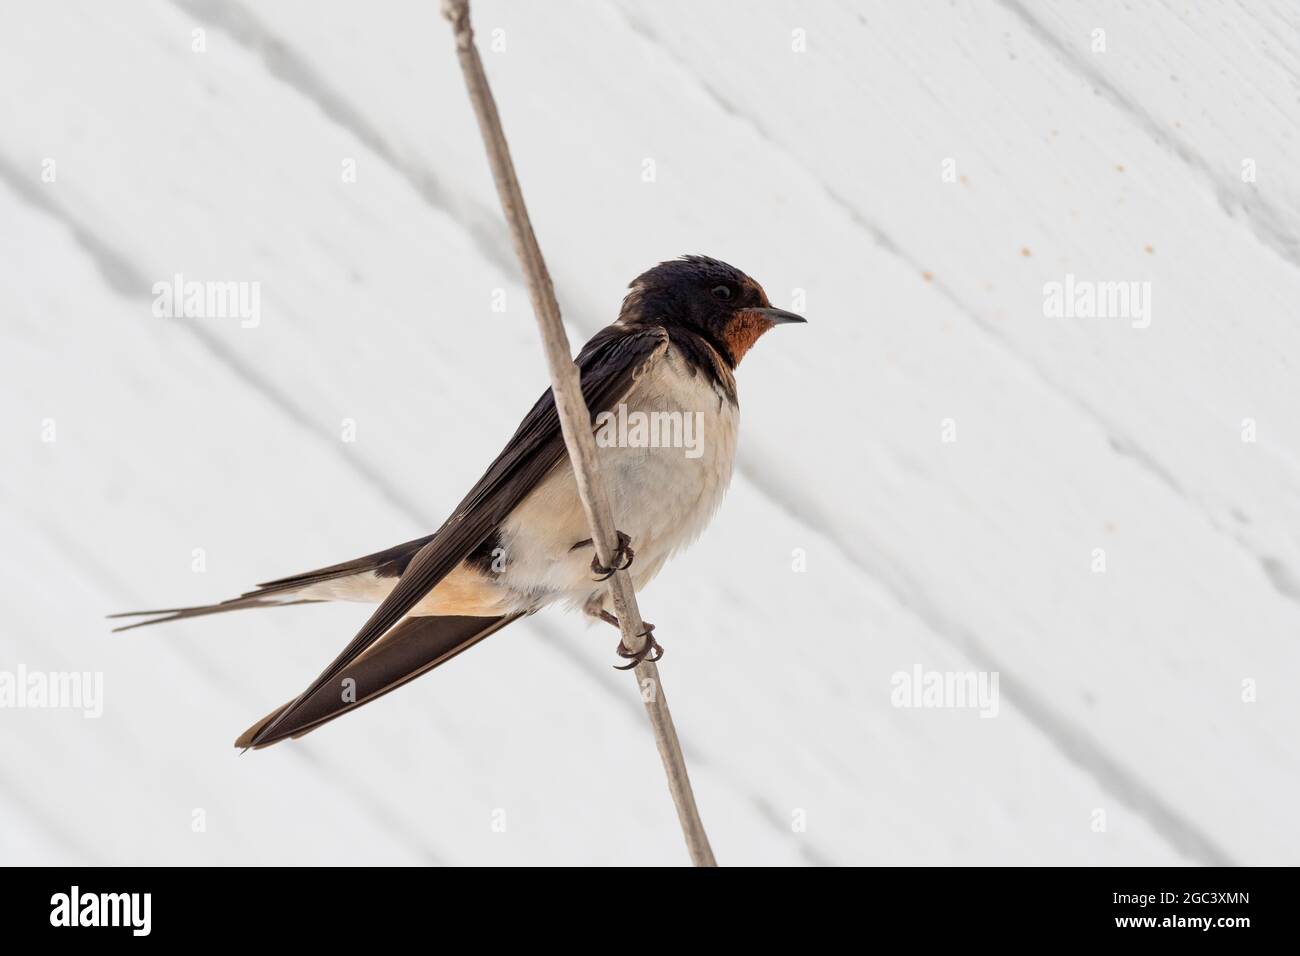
(519, 540)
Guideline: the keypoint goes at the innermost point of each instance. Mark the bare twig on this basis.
(575, 421)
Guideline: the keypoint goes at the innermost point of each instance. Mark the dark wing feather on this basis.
(389, 563)
(414, 647)
(608, 365)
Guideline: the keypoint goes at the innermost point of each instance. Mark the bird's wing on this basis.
(415, 646)
(285, 592)
(608, 364)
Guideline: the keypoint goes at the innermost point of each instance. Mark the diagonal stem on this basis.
(575, 421)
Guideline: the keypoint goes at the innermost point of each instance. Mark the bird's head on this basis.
(707, 296)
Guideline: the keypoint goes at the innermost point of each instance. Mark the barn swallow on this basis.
(519, 540)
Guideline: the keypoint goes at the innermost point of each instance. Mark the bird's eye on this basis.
(721, 292)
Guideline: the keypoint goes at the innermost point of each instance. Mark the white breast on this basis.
(663, 497)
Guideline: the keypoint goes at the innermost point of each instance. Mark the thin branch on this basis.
(575, 421)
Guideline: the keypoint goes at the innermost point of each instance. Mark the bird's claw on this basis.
(622, 558)
(650, 651)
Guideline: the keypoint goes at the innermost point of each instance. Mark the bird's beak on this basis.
(779, 316)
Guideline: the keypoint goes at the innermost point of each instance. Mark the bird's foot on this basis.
(622, 558)
(650, 651)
